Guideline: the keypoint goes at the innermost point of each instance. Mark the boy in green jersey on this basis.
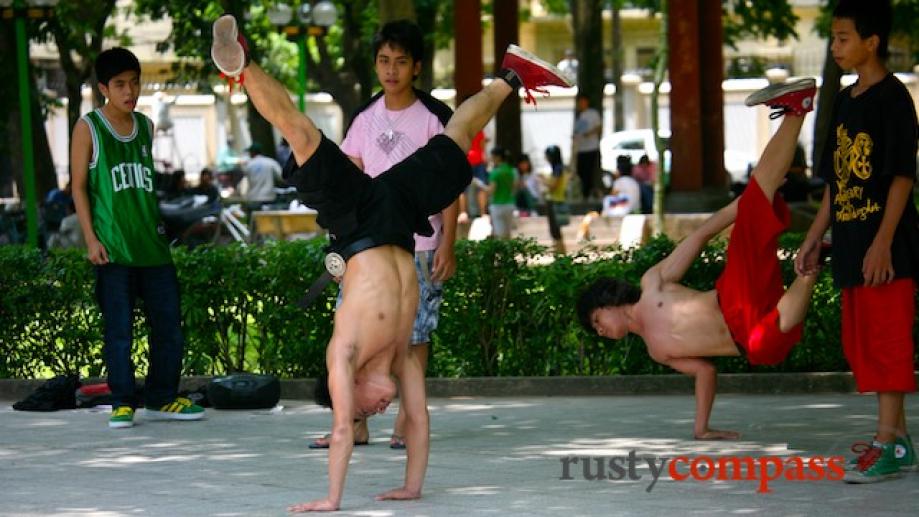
(115, 198)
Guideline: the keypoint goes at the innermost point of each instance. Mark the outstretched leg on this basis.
(268, 95)
(794, 100)
(776, 158)
(519, 69)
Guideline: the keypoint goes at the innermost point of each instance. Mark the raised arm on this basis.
(672, 268)
(705, 376)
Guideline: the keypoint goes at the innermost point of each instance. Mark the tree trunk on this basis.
(467, 49)
(10, 121)
(507, 120)
(661, 65)
(587, 16)
(828, 91)
(618, 115)
(427, 19)
(260, 130)
(352, 85)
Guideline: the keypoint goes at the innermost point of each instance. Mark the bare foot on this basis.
(319, 505)
(398, 494)
(714, 434)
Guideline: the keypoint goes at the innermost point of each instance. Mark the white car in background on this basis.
(638, 142)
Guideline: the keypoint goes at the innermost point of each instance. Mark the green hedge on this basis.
(508, 311)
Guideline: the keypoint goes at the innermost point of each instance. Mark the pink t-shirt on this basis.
(382, 138)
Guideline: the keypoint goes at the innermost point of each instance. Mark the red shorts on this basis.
(751, 284)
(877, 335)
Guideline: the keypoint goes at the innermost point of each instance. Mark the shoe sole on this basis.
(226, 47)
(777, 90)
(163, 415)
(120, 425)
(868, 480)
(528, 56)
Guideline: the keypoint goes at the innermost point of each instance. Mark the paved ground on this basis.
(489, 456)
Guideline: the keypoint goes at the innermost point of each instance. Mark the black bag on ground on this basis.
(244, 391)
(57, 393)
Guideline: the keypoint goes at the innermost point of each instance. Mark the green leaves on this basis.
(509, 311)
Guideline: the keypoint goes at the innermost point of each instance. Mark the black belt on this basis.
(335, 261)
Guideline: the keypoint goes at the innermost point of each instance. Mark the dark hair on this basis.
(870, 18)
(604, 292)
(624, 164)
(114, 61)
(524, 157)
(500, 152)
(554, 155)
(321, 393)
(402, 34)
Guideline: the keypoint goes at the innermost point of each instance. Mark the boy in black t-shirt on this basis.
(869, 166)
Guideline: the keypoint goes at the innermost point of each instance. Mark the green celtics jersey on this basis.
(122, 194)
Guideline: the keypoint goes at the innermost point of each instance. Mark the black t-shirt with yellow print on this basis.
(874, 138)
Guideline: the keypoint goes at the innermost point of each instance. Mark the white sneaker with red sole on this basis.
(229, 50)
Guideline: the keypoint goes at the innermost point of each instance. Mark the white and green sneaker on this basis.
(122, 416)
(906, 454)
(179, 409)
(877, 464)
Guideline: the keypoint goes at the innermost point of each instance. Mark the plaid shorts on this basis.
(430, 295)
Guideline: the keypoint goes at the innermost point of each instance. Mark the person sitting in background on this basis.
(57, 203)
(796, 184)
(69, 234)
(645, 171)
(528, 189)
(228, 166)
(205, 186)
(625, 197)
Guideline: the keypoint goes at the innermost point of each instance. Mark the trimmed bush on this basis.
(509, 311)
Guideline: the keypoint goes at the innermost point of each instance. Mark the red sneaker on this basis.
(796, 97)
(229, 50)
(534, 73)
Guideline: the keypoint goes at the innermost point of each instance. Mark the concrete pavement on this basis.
(489, 456)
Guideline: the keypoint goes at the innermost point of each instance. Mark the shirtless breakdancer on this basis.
(749, 312)
(370, 223)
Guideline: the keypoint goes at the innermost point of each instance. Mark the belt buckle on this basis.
(335, 264)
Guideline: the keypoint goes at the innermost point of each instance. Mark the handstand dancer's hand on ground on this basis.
(715, 434)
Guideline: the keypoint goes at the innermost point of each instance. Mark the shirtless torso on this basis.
(379, 287)
(677, 321)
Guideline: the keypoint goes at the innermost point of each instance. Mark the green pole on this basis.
(25, 109)
(301, 44)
